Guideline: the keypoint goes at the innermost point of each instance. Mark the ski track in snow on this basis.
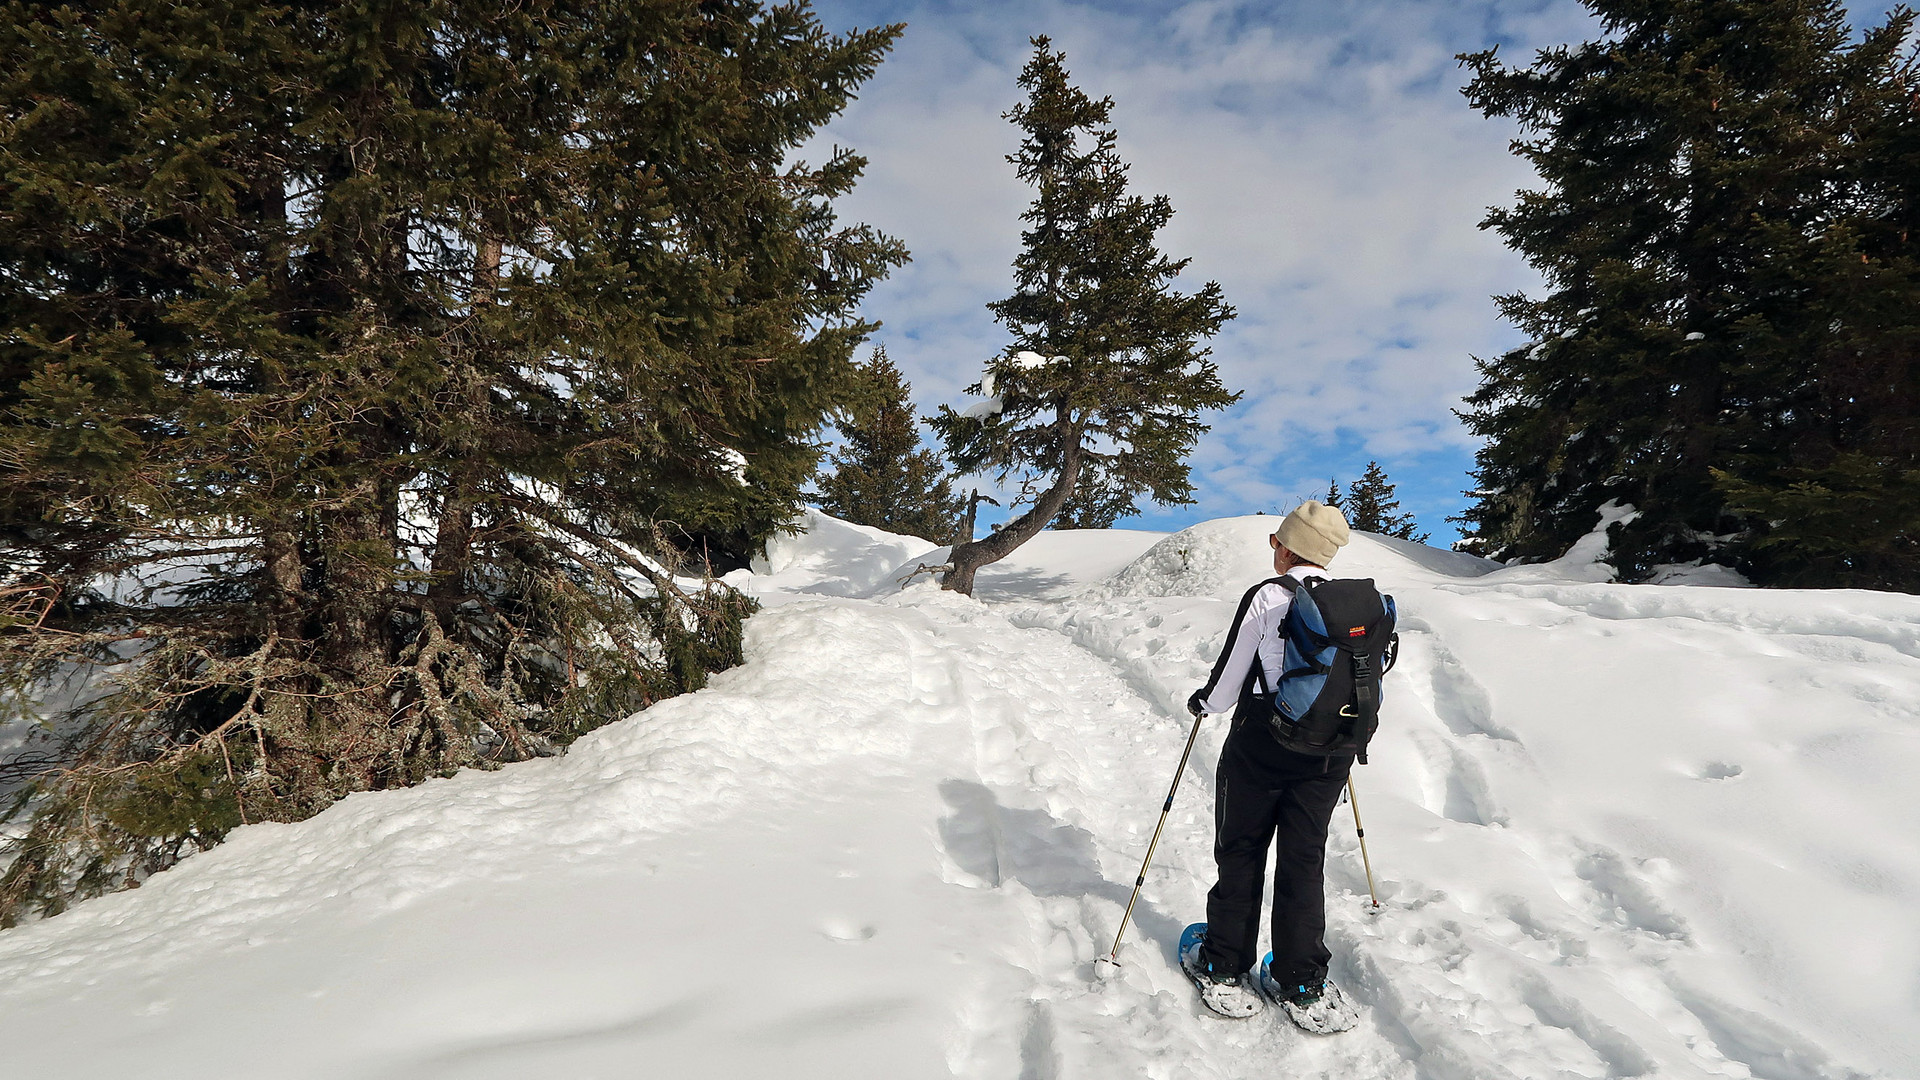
(895, 842)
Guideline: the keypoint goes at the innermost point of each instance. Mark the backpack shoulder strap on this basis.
(1292, 585)
(1293, 589)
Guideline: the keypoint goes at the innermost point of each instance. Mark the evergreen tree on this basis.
(1334, 497)
(1097, 399)
(1098, 500)
(1703, 183)
(1840, 505)
(367, 368)
(1371, 506)
(883, 478)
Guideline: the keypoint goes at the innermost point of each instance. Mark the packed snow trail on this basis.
(1620, 831)
(883, 843)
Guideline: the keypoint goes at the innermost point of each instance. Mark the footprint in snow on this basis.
(847, 931)
(1626, 892)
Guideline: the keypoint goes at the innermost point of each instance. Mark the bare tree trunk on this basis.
(453, 533)
(969, 557)
(356, 645)
(964, 535)
(286, 576)
(452, 543)
(286, 572)
(486, 270)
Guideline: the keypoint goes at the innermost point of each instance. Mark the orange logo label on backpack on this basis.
(1358, 631)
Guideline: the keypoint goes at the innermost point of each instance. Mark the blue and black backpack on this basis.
(1340, 641)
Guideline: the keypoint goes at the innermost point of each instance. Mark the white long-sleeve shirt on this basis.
(1258, 633)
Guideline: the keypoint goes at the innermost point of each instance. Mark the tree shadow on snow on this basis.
(998, 844)
(1023, 583)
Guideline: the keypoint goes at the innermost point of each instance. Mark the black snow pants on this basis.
(1263, 793)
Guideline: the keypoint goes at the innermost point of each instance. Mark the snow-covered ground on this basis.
(1619, 831)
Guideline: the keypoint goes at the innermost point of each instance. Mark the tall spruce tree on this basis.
(1370, 505)
(1841, 504)
(1708, 167)
(1097, 399)
(883, 477)
(367, 368)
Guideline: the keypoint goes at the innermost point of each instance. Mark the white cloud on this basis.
(1324, 169)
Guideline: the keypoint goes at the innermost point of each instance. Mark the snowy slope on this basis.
(1619, 831)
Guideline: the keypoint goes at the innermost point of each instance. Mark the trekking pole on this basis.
(1353, 800)
(1113, 955)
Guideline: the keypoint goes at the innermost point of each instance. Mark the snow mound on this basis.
(1699, 573)
(830, 557)
(1616, 831)
(1059, 563)
(1222, 558)
(1584, 562)
(1214, 558)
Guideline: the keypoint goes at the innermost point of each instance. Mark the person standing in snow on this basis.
(1263, 791)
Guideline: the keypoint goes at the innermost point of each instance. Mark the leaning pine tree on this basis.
(368, 373)
(1726, 337)
(1096, 400)
(884, 477)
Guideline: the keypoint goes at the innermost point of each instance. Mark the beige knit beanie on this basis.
(1314, 531)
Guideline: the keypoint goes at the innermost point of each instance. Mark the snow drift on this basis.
(1619, 831)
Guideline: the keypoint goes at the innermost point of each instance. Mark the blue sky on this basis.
(1324, 169)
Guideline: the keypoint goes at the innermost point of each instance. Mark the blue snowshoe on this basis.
(1323, 1009)
(1231, 996)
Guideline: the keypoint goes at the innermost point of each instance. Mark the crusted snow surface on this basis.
(1617, 831)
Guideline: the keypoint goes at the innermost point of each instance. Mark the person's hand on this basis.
(1197, 703)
